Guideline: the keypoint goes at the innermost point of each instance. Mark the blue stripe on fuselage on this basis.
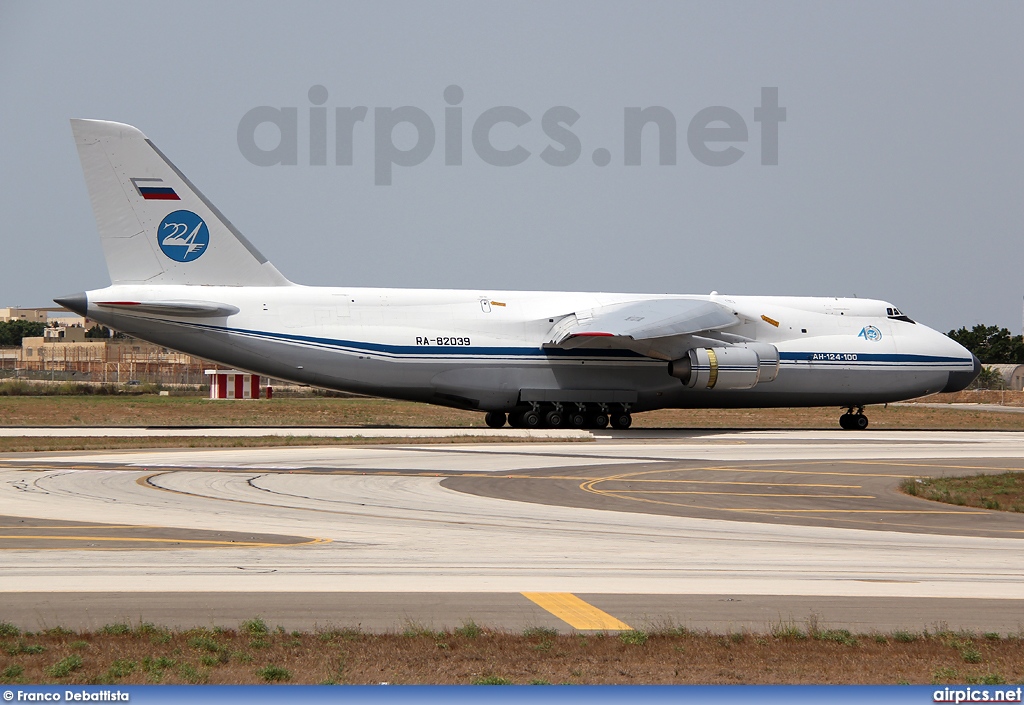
(417, 350)
(459, 352)
(871, 357)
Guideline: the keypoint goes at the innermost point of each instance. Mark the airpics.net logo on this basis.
(716, 136)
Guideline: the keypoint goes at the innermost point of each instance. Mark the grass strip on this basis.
(177, 411)
(255, 652)
(36, 444)
(1001, 492)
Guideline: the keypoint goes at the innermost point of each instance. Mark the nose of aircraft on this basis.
(962, 379)
(933, 343)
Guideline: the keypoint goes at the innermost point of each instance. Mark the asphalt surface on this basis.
(398, 611)
(711, 530)
(22, 533)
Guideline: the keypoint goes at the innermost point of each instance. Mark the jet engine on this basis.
(733, 367)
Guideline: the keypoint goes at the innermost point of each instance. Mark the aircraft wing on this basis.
(657, 326)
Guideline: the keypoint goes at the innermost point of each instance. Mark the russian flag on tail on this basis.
(154, 190)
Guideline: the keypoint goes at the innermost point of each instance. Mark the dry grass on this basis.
(979, 396)
(897, 417)
(153, 410)
(37, 445)
(1000, 492)
(255, 654)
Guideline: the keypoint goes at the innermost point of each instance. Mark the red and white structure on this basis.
(233, 384)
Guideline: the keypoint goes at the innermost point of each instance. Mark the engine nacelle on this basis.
(768, 360)
(735, 367)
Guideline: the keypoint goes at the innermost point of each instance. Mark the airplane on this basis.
(183, 277)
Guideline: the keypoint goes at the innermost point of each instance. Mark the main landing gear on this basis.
(854, 421)
(495, 419)
(568, 415)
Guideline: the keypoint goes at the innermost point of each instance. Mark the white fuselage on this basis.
(482, 349)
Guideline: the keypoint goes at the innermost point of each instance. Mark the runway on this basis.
(295, 431)
(702, 529)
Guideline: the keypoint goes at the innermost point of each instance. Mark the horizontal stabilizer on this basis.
(197, 309)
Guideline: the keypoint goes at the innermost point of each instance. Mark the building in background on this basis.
(235, 384)
(1012, 374)
(64, 352)
(68, 320)
(34, 315)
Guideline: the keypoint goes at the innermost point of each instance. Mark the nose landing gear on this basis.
(854, 421)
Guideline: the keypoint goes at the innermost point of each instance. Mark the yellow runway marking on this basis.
(772, 510)
(854, 511)
(13, 527)
(575, 612)
(777, 467)
(932, 465)
(139, 539)
(740, 494)
(761, 469)
(727, 482)
(793, 472)
(591, 487)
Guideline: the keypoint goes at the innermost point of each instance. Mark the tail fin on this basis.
(155, 226)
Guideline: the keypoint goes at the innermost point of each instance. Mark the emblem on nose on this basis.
(870, 333)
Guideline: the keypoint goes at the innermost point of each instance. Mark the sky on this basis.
(899, 174)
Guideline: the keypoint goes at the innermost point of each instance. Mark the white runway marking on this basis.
(427, 458)
(411, 534)
(727, 447)
(311, 431)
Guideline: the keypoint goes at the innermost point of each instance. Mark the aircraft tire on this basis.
(621, 421)
(531, 419)
(495, 419)
(577, 419)
(515, 419)
(554, 419)
(853, 422)
(598, 420)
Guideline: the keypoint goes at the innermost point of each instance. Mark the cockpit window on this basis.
(896, 315)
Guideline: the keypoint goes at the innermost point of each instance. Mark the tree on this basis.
(992, 345)
(989, 378)
(12, 332)
(98, 331)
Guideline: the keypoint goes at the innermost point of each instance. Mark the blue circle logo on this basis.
(870, 333)
(183, 236)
